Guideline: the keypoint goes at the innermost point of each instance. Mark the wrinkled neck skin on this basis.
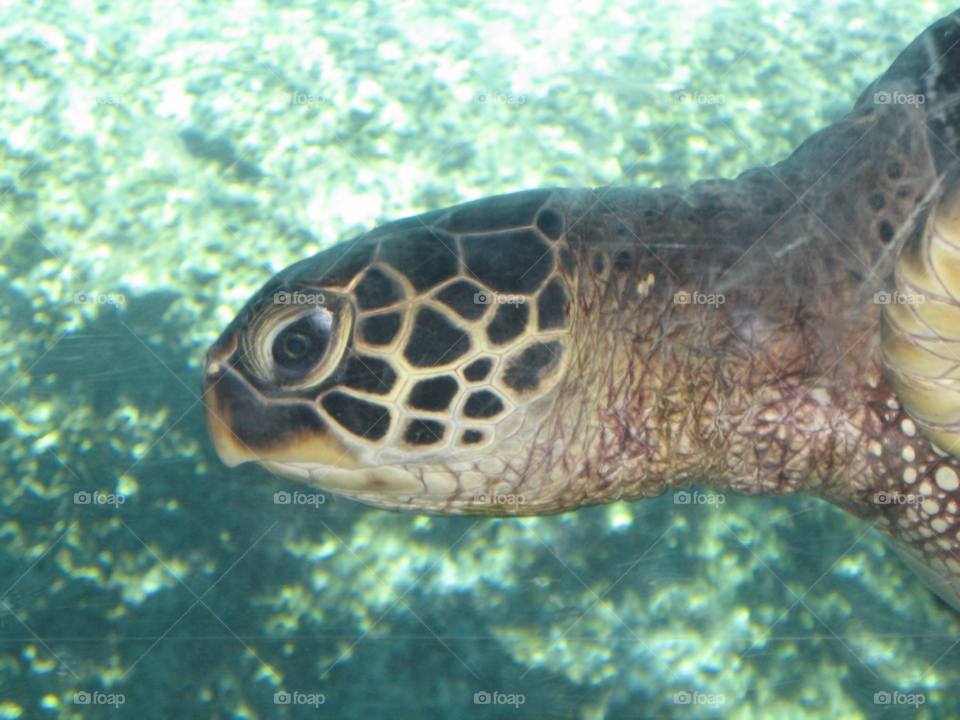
(768, 380)
(733, 393)
(724, 394)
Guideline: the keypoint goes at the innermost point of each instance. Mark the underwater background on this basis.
(160, 160)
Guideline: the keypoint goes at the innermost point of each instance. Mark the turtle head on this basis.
(396, 365)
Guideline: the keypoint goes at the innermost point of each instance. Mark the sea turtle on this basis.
(794, 330)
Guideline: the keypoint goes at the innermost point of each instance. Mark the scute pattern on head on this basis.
(467, 355)
(451, 327)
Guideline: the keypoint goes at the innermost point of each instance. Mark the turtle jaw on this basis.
(246, 426)
(384, 480)
(287, 437)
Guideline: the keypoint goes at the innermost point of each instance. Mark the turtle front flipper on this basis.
(921, 324)
(920, 346)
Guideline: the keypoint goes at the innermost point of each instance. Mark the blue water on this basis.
(159, 161)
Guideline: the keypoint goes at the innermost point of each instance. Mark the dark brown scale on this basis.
(434, 393)
(503, 212)
(424, 432)
(552, 306)
(525, 371)
(471, 437)
(478, 369)
(509, 262)
(376, 290)
(483, 404)
(464, 298)
(877, 202)
(886, 232)
(550, 223)
(369, 374)
(435, 340)
(425, 256)
(599, 264)
(360, 418)
(509, 323)
(380, 329)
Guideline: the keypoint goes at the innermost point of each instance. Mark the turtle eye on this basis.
(302, 344)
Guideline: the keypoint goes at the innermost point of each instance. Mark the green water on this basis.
(166, 158)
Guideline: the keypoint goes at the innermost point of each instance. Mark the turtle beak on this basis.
(220, 396)
(247, 426)
(287, 436)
